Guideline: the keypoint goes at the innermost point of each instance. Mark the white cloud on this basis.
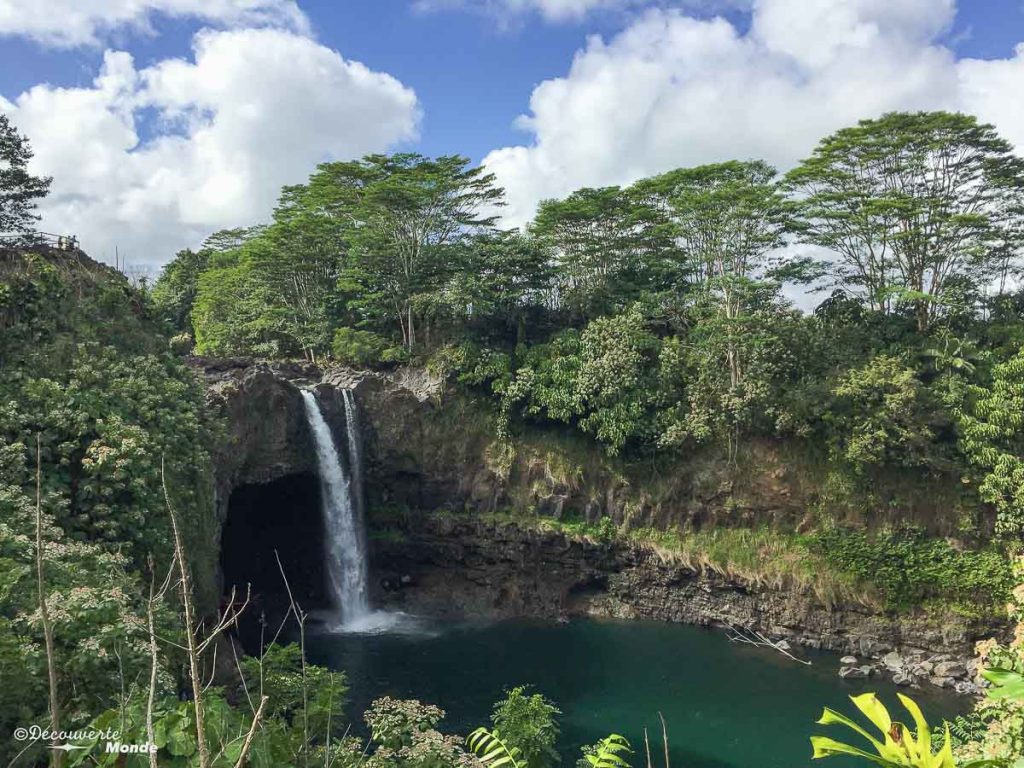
(672, 90)
(67, 23)
(251, 111)
(551, 10)
(567, 10)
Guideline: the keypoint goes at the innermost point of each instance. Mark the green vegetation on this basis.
(19, 189)
(528, 722)
(89, 390)
(651, 320)
(995, 729)
(898, 746)
(908, 569)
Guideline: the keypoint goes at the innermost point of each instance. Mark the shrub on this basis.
(907, 567)
(528, 722)
(355, 347)
(881, 416)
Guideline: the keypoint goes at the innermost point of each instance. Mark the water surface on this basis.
(726, 705)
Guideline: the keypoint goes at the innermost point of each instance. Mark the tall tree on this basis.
(19, 189)
(727, 219)
(408, 217)
(607, 246)
(296, 261)
(174, 291)
(910, 203)
(505, 279)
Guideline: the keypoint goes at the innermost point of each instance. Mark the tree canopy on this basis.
(911, 204)
(656, 316)
(19, 189)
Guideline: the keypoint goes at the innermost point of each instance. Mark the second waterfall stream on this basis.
(341, 500)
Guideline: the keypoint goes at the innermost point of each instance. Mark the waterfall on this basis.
(355, 458)
(342, 510)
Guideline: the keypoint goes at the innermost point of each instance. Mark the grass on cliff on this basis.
(896, 570)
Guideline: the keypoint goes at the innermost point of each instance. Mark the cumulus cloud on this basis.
(567, 10)
(68, 23)
(672, 90)
(251, 110)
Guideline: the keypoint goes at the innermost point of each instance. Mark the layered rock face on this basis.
(426, 451)
(459, 566)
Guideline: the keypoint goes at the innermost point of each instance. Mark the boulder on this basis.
(893, 661)
(950, 669)
(848, 660)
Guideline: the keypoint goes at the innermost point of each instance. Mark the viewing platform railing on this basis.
(60, 242)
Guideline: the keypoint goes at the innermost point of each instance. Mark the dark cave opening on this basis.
(283, 516)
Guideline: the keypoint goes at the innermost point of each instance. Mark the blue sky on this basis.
(198, 129)
(472, 73)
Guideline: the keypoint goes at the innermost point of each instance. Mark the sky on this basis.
(164, 120)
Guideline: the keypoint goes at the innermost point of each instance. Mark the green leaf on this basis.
(826, 747)
(1006, 683)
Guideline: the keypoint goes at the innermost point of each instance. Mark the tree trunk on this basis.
(57, 757)
(190, 631)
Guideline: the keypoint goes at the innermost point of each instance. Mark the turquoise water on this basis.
(725, 704)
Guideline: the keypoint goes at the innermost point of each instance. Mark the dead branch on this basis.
(759, 640)
(664, 737)
(229, 618)
(301, 617)
(252, 732)
(51, 660)
(190, 627)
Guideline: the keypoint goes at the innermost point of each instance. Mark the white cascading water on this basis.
(355, 460)
(342, 506)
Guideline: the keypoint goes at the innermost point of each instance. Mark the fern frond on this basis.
(610, 753)
(491, 750)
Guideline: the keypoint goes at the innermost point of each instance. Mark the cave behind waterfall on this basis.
(282, 515)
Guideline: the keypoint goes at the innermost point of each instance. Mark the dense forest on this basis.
(656, 320)
(659, 316)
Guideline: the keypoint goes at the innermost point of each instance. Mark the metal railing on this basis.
(60, 242)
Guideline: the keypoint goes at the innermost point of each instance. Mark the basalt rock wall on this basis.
(427, 450)
(461, 567)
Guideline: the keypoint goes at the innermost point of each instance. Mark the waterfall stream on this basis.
(341, 500)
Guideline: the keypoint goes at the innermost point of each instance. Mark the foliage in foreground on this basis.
(896, 746)
(995, 729)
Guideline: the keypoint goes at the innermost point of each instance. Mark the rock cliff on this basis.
(427, 450)
(458, 566)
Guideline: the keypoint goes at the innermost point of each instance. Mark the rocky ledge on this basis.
(459, 566)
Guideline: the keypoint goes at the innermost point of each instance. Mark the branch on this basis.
(252, 732)
(757, 639)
